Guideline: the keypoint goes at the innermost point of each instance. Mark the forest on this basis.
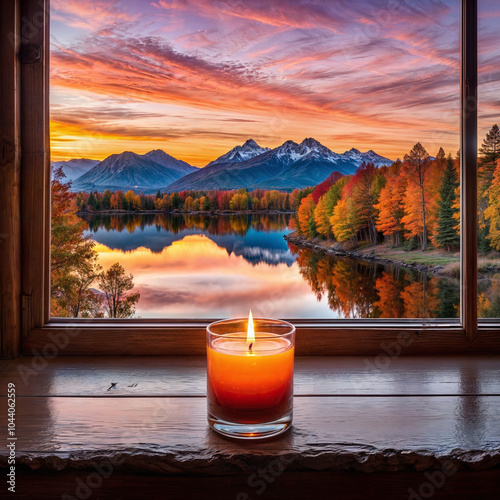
(413, 203)
(189, 201)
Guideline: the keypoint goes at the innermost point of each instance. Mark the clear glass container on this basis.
(250, 380)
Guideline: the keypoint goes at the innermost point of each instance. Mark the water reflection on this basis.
(360, 289)
(212, 267)
(256, 238)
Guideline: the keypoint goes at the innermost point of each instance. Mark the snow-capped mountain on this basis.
(132, 171)
(74, 168)
(368, 157)
(241, 153)
(288, 166)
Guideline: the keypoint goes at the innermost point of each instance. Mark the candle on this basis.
(250, 376)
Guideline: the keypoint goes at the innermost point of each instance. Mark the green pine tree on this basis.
(490, 149)
(176, 201)
(91, 201)
(447, 235)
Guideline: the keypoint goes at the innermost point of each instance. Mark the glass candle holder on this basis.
(250, 378)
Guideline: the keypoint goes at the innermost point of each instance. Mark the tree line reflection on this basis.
(359, 289)
(234, 224)
(351, 288)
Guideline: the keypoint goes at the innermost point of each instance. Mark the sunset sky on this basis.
(197, 77)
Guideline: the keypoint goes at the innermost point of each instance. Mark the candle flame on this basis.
(250, 332)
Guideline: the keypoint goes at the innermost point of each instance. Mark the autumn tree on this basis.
(492, 213)
(417, 168)
(306, 215)
(333, 195)
(365, 194)
(489, 153)
(447, 235)
(343, 220)
(390, 204)
(73, 259)
(115, 283)
(321, 219)
(324, 186)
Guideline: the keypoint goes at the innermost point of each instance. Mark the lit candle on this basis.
(250, 375)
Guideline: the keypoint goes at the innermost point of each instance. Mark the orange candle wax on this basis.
(251, 376)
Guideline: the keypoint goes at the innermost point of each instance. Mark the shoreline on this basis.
(370, 255)
(184, 212)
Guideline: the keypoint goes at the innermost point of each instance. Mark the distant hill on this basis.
(74, 168)
(288, 166)
(132, 171)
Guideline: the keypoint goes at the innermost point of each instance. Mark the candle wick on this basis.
(250, 346)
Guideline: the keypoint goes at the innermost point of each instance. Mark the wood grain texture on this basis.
(10, 180)
(171, 436)
(148, 376)
(156, 339)
(35, 165)
(468, 167)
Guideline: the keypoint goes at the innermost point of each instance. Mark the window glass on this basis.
(298, 158)
(489, 159)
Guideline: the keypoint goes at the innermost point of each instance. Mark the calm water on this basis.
(221, 266)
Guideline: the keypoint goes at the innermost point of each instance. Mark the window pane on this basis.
(299, 160)
(489, 159)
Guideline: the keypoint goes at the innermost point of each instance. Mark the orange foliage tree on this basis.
(492, 213)
(417, 168)
(390, 205)
(306, 215)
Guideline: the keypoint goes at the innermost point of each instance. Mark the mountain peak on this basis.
(311, 143)
(251, 143)
(289, 143)
(250, 149)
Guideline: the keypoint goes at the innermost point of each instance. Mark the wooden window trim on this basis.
(31, 175)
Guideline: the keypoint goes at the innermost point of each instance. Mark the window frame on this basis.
(185, 337)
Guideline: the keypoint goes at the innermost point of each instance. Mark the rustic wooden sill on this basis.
(148, 413)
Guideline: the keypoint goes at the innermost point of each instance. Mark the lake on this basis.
(221, 266)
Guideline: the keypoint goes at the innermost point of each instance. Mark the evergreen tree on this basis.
(106, 199)
(490, 149)
(92, 201)
(176, 201)
(447, 235)
(449, 299)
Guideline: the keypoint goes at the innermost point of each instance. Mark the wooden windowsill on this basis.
(411, 415)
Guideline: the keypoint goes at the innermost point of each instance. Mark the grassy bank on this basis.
(433, 260)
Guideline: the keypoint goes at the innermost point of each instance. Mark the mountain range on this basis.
(288, 166)
(75, 168)
(249, 165)
(129, 170)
